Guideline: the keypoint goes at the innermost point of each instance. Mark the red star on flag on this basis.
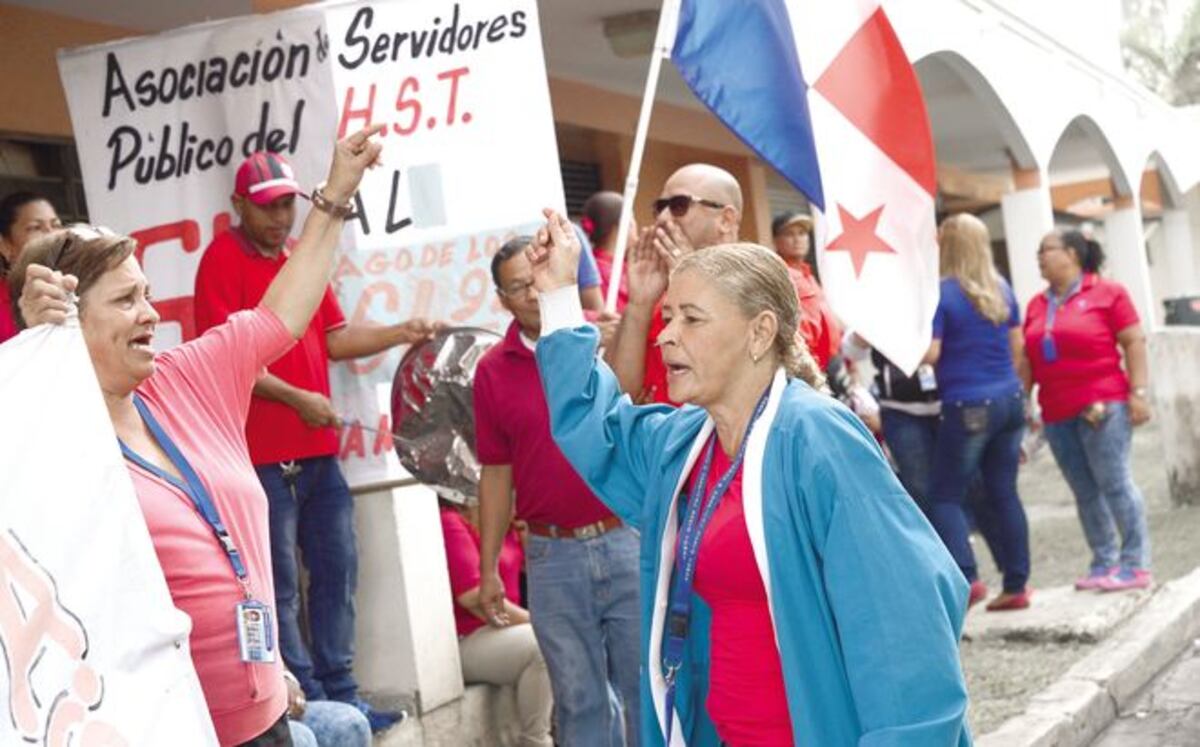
(859, 237)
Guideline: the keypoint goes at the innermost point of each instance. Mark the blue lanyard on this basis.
(1054, 303)
(191, 487)
(697, 515)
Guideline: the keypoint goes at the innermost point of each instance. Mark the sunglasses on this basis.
(681, 204)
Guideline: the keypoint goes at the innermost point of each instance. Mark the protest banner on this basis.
(470, 157)
(95, 652)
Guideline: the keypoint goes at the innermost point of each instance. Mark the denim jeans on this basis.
(912, 439)
(327, 723)
(984, 436)
(1095, 463)
(314, 511)
(583, 601)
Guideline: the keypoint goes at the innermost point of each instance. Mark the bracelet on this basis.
(1139, 391)
(322, 203)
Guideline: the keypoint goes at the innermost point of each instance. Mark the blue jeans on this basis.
(984, 436)
(327, 723)
(313, 510)
(1095, 463)
(583, 602)
(912, 440)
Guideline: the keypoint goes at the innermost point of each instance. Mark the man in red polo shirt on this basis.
(291, 431)
(700, 206)
(582, 564)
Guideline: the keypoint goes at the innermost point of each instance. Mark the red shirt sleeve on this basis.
(654, 377)
(491, 442)
(1121, 312)
(218, 289)
(462, 552)
(331, 312)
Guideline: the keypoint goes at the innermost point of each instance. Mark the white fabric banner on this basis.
(470, 156)
(95, 652)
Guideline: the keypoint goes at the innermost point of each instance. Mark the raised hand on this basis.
(46, 297)
(554, 253)
(648, 270)
(671, 242)
(352, 156)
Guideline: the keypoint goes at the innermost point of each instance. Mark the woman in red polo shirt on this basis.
(23, 216)
(1075, 334)
(497, 649)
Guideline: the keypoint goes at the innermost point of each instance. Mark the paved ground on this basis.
(1003, 674)
(1166, 714)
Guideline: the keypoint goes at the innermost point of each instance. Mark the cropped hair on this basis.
(511, 248)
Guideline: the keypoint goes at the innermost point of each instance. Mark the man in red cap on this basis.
(291, 431)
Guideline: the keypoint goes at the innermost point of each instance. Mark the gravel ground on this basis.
(1003, 676)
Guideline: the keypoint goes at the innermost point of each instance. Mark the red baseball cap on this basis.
(265, 177)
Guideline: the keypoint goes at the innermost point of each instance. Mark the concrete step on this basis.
(485, 716)
(1057, 614)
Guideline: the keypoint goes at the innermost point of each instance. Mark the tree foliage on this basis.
(1167, 61)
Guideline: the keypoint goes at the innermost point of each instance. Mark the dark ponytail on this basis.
(600, 215)
(1088, 251)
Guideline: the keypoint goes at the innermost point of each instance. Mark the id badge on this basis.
(256, 633)
(1049, 349)
(926, 376)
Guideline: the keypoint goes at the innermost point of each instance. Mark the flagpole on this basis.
(664, 40)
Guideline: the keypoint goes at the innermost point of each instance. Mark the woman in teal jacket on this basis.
(865, 603)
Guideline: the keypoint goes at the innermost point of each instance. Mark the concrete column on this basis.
(1179, 252)
(1125, 247)
(1028, 216)
(1175, 389)
(406, 644)
(757, 202)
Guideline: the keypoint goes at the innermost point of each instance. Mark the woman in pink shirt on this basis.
(1076, 334)
(180, 419)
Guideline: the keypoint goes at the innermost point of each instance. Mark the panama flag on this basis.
(824, 93)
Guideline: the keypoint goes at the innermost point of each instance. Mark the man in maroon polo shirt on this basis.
(582, 564)
(291, 431)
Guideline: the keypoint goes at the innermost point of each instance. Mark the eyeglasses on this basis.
(82, 232)
(681, 204)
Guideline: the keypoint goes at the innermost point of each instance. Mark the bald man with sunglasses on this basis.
(700, 205)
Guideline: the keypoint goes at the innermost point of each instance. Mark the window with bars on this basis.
(46, 166)
(580, 181)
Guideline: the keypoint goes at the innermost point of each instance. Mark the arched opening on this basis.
(1168, 218)
(1086, 179)
(1091, 192)
(981, 152)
